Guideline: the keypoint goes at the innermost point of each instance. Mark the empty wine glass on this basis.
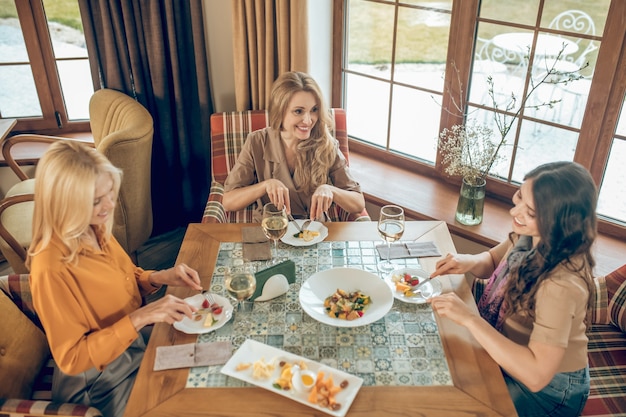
(240, 283)
(274, 226)
(391, 228)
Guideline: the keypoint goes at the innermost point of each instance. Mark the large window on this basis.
(45, 79)
(407, 65)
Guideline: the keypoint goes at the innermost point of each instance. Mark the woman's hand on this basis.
(451, 306)
(179, 276)
(321, 200)
(168, 309)
(453, 264)
(278, 194)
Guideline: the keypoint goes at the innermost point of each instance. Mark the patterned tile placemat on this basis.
(402, 348)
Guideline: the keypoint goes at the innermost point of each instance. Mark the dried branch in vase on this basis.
(471, 150)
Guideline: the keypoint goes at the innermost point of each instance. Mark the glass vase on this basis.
(469, 209)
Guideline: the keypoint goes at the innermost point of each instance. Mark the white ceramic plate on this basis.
(289, 239)
(191, 326)
(432, 289)
(251, 351)
(324, 283)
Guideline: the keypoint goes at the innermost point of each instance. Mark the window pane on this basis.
(18, 96)
(621, 123)
(66, 29)
(611, 199)
(367, 107)
(540, 144)
(437, 4)
(488, 118)
(12, 47)
(70, 51)
(77, 87)
(514, 11)
(415, 123)
(560, 10)
(421, 47)
(370, 36)
(506, 66)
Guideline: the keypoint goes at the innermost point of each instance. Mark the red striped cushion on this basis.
(229, 131)
(616, 293)
(607, 368)
(13, 407)
(19, 291)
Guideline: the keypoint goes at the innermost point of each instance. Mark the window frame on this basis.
(54, 119)
(599, 121)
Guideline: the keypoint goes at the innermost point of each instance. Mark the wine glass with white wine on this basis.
(240, 283)
(274, 226)
(390, 228)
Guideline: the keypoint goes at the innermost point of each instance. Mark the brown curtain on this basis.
(269, 38)
(154, 51)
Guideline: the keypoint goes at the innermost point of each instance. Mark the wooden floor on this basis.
(159, 252)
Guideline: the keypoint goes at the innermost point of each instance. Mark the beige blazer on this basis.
(263, 157)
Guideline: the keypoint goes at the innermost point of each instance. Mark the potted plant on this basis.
(471, 150)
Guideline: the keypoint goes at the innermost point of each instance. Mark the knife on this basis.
(418, 288)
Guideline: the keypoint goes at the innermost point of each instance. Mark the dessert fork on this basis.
(209, 297)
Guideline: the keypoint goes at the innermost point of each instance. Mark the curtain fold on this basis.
(270, 37)
(155, 52)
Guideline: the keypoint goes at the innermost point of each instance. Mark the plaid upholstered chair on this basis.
(607, 344)
(228, 134)
(26, 366)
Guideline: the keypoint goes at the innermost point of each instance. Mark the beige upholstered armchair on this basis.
(122, 130)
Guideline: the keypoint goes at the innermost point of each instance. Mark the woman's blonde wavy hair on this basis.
(64, 196)
(316, 154)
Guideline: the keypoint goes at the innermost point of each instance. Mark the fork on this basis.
(209, 297)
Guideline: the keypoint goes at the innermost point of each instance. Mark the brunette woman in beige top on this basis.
(533, 312)
(295, 162)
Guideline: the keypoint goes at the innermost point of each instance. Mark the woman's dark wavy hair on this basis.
(565, 205)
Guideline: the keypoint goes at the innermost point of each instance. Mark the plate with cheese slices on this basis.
(208, 317)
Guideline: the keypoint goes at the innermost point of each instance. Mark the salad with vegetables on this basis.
(346, 306)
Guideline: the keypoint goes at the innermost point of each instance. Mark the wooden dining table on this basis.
(478, 388)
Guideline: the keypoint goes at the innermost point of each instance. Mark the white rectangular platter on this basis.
(251, 351)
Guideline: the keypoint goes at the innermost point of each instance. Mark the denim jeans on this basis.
(564, 396)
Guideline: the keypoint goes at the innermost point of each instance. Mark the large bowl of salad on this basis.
(345, 297)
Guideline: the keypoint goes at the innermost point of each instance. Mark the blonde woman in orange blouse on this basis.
(86, 290)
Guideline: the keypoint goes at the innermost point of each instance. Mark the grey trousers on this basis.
(108, 390)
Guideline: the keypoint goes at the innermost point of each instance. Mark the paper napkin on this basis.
(274, 281)
(256, 246)
(192, 354)
(408, 250)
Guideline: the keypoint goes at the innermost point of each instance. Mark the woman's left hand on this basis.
(180, 275)
(321, 200)
(451, 306)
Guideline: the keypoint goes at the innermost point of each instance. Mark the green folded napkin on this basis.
(274, 281)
